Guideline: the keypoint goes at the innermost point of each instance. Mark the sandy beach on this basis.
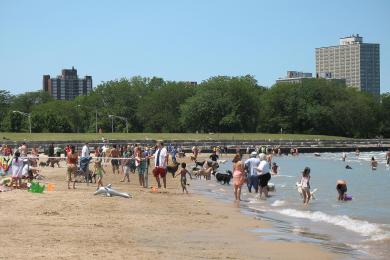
(75, 224)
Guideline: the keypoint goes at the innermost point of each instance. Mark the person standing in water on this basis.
(305, 185)
(374, 163)
(238, 176)
(341, 187)
(357, 152)
(388, 158)
(252, 179)
(264, 175)
(344, 156)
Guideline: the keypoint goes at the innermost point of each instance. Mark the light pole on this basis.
(120, 117)
(28, 115)
(112, 123)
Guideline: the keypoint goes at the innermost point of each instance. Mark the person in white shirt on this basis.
(264, 174)
(160, 164)
(85, 151)
(252, 178)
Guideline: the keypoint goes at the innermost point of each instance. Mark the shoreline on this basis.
(76, 224)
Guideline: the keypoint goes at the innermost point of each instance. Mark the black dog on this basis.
(173, 168)
(224, 177)
(199, 163)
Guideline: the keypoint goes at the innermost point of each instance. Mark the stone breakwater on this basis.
(304, 146)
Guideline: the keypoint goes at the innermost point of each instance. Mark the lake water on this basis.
(357, 229)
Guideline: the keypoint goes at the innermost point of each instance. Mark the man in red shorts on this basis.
(160, 164)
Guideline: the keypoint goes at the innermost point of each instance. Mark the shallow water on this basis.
(358, 229)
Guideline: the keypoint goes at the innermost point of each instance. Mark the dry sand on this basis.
(74, 224)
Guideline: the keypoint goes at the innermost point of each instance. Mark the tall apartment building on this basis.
(352, 60)
(68, 85)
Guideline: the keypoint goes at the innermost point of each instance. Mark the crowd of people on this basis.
(256, 171)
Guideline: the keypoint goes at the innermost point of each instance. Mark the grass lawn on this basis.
(158, 136)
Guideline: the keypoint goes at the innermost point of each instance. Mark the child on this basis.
(141, 163)
(71, 160)
(274, 168)
(126, 167)
(374, 163)
(305, 185)
(99, 173)
(17, 170)
(183, 180)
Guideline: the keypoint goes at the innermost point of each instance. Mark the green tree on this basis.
(159, 110)
(5, 101)
(223, 104)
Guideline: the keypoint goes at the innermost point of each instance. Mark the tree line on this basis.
(218, 104)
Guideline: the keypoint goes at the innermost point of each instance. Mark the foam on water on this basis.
(278, 203)
(364, 228)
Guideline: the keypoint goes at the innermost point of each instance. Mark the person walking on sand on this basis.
(160, 164)
(71, 160)
(114, 153)
(126, 164)
(142, 164)
(264, 175)
(99, 173)
(238, 176)
(305, 185)
(183, 176)
(17, 170)
(252, 178)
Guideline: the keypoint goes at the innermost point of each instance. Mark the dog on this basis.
(299, 188)
(52, 161)
(42, 164)
(199, 163)
(173, 168)
(224, 177)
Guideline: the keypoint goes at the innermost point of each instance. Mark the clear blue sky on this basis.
(179, 40)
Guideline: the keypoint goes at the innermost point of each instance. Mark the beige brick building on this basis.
(352, 60)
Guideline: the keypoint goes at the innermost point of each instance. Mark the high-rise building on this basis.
(352, 60)
(68, 85)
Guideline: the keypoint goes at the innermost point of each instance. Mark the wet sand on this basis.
(75, 224)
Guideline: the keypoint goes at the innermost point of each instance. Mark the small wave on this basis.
(281, 175)
(364, 228)
(278, 203)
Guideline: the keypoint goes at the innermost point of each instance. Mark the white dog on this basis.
(299, 188)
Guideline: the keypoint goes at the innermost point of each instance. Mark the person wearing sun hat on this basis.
(252, 178)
